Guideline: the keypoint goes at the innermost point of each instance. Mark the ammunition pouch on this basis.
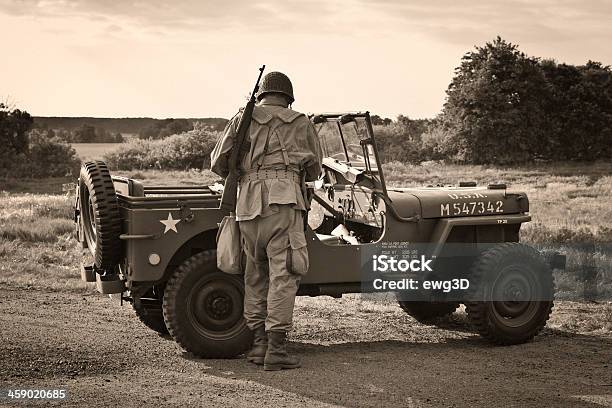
(270, 174)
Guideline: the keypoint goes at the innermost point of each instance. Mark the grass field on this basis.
(93, 151)
(570, 205)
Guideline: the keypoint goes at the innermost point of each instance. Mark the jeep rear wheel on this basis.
(99, 214)
(426, 312)
(513, 293)
(203, 309)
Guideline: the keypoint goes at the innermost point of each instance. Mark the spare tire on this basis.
(99, 214)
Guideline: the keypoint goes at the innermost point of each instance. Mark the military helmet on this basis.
(276, 82)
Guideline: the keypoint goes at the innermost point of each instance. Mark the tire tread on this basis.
(478, 311)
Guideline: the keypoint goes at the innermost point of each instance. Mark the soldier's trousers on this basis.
(277, 257)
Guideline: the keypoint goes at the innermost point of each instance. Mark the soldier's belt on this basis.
(270, 175)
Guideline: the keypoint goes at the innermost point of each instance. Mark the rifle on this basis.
(230, 190)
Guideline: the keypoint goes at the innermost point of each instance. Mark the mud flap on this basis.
(88, 274)
(109, 284)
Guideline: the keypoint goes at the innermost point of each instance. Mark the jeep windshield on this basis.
(344, 138)
(348, 145)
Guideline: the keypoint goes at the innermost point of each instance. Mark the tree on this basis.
(402, 140)
(175, 127)
(117, 138)
(580, 110)
(14, 125)
(494, 106)
(102, 135)
(85, 134)
(165, 128)
(27, 152)
(64, 135)
(378, 121)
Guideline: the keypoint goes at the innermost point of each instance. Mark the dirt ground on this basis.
(355, 353)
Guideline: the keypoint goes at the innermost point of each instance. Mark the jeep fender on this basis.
(444, 227)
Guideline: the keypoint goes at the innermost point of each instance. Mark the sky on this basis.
(199, 58)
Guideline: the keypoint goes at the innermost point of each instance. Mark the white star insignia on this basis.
(170, 223)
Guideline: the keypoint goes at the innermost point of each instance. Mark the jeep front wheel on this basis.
(203, 309)
(513, 294)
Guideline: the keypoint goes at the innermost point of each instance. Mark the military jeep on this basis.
(156, 245)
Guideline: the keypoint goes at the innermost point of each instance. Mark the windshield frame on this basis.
(344, 118)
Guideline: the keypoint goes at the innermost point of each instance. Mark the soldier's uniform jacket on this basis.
(292, 146)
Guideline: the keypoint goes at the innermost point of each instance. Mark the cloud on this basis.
(452, 21)
(460, 21)
(113, 28)
(187, 14)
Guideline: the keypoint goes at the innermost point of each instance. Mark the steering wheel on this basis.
(356, 151)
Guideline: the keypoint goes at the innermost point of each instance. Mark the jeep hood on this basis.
(444, 202)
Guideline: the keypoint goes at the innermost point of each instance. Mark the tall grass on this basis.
(570, 205)
(35, 205)
(39, 229)
(37, 245)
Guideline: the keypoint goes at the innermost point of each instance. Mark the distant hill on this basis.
(121, 125)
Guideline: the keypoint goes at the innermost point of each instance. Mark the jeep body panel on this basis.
(188, 214)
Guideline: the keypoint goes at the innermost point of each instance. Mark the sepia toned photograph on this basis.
(341, 203)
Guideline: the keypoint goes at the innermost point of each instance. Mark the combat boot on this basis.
(276, 356)
(260, 345)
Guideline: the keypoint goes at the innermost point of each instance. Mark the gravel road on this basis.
(355, 353)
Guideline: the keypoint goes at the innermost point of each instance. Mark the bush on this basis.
(51, 158)
(43, 158)
(396, 144)
(411, 141)
(164, 128)
(25, 154)
(189, 150)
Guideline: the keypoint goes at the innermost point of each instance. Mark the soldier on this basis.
(283, 153)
